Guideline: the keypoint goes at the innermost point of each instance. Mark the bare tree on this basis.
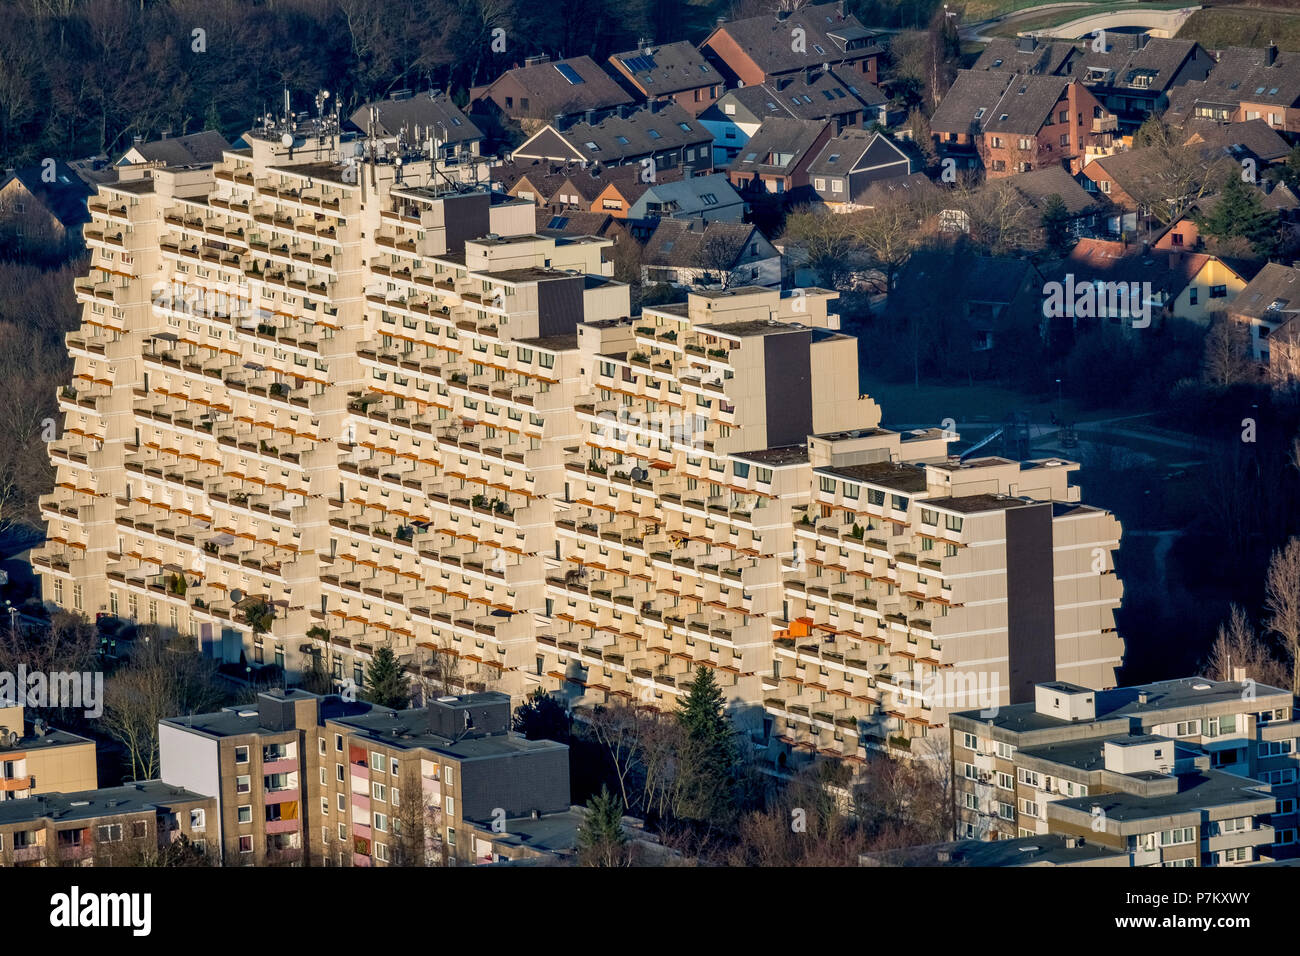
(1227, 360)
(1282, 602)
(1238, 647)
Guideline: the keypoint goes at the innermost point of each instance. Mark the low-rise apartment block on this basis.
(114, 826)
(1188, 772)
(40, 759)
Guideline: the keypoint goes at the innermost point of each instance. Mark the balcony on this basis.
(1105, 124)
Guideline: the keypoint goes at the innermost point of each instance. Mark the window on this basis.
(198, 819)
(339, 773)
(1029, 778)
(1178, 836)
(243, 784)
(1029, 808)
(1004, 750)
(379, 792)
(1187, 728)
(246, 844)
(970, 741)
(1276, 748)
(448, 776)
(110, 833)
(378, 761)
(245, 814)
(241, 755)
(1005, 781)
(451, 807)
(325, 806)
(321, 742)
(381, 822)
(338, 743)
(381, 852)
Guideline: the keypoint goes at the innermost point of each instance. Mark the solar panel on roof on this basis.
(557, 222)
(568, 73)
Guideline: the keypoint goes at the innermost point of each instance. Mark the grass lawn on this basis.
(1243, 26)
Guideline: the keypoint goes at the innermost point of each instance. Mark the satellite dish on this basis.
(638, 474)
(286, 139)
(236, 595)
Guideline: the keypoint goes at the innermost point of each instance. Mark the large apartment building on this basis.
(322, 403)
(1189, 772)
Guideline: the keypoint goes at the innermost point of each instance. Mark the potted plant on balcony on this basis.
(259, 616)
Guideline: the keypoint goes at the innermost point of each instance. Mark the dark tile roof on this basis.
(1128, 57)
(65, 198)
(855, 149)
(641, 132)
(687, 243)
(1253, 137)
(1273, 294)
(778, 146)
(1026, 55)
(425, 110)
(972, 91)
(1167, 270)
(1037, 186)
(196, 149)
(900, 188)
(571, 222)
(963, 277)
(766, 39)
(1243, 74)
(668, 67)
(550, 92)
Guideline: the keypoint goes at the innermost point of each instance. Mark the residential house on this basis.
(671, 71)
(657, 137)
(542, 91)
(1134, 75)
(811, 95)
(756, 49)
(43, 209)
(1038, 187)
(1028, 54)
(1249, 139)
(776, 160)
(710, 255)
(36, 758)
(194, 149)
(1010, 123)
(850, 163)
(710, 198)
(1268, 301)
(1246, 83)
(430, 120)
(979, 292)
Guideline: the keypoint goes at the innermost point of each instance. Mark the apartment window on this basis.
(325, 806)
(451, 837)
(1241, 854)
(338, 743)
(343, 831)
(342, 803)
(339, 772)
(970, 741)
(246, 844)
(139, 830)
(243, 784)
(381, 822)
(1006, 811)
(1276, 748)
(381, 852)
(379, 792)
(1030, 778)
(241, 755)
(1005, 751)
(321, 742)
(1285, 837)
(378, 761)
(1005, 781)
(245, 814)
(109, 833)
(448, 773)
(1177, 836)
(392, 767)
(1029, 808)
(451, 806)
(198, 819)
(1278, 777)
(1286, 805)
(1187, 728)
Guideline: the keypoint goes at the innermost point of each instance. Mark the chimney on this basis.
(1071, 842)
(1270, 54)
(1239, 675)
(1028, 43)
(1143, 697)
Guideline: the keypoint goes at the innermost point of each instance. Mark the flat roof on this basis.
(1046, 849)
(784, 455)
(409, 730)
(750, 328)
(89, 804)
(896, 476)
(1199, 790)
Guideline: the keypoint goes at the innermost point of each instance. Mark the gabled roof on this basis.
(561, 88)
(778, 146)
(813, 95)
(1253, 137)
(1243, 74)
(900, 188)
(1101, 259)
(195, 149)
(571, 222)
(693, 244)
(65, 198)
(829, 36)
(544, 176)
(667, 68)
(698, 194)
(1130, 56)
(642, 132)
(428, 111)
(854, 150)
(1037, 186)
(1273, 295)
(965, 108)
(1026, 54)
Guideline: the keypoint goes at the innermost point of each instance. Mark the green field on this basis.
(1243, 26)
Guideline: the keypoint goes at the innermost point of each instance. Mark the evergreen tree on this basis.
(1056, 225)
(708, 759)
(601, 840)
(542, 717)
(386, 681)
(1239, 213)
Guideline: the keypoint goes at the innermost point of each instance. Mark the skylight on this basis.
(684, 127)
(569, 74)
(653, 133)
(593, 147)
